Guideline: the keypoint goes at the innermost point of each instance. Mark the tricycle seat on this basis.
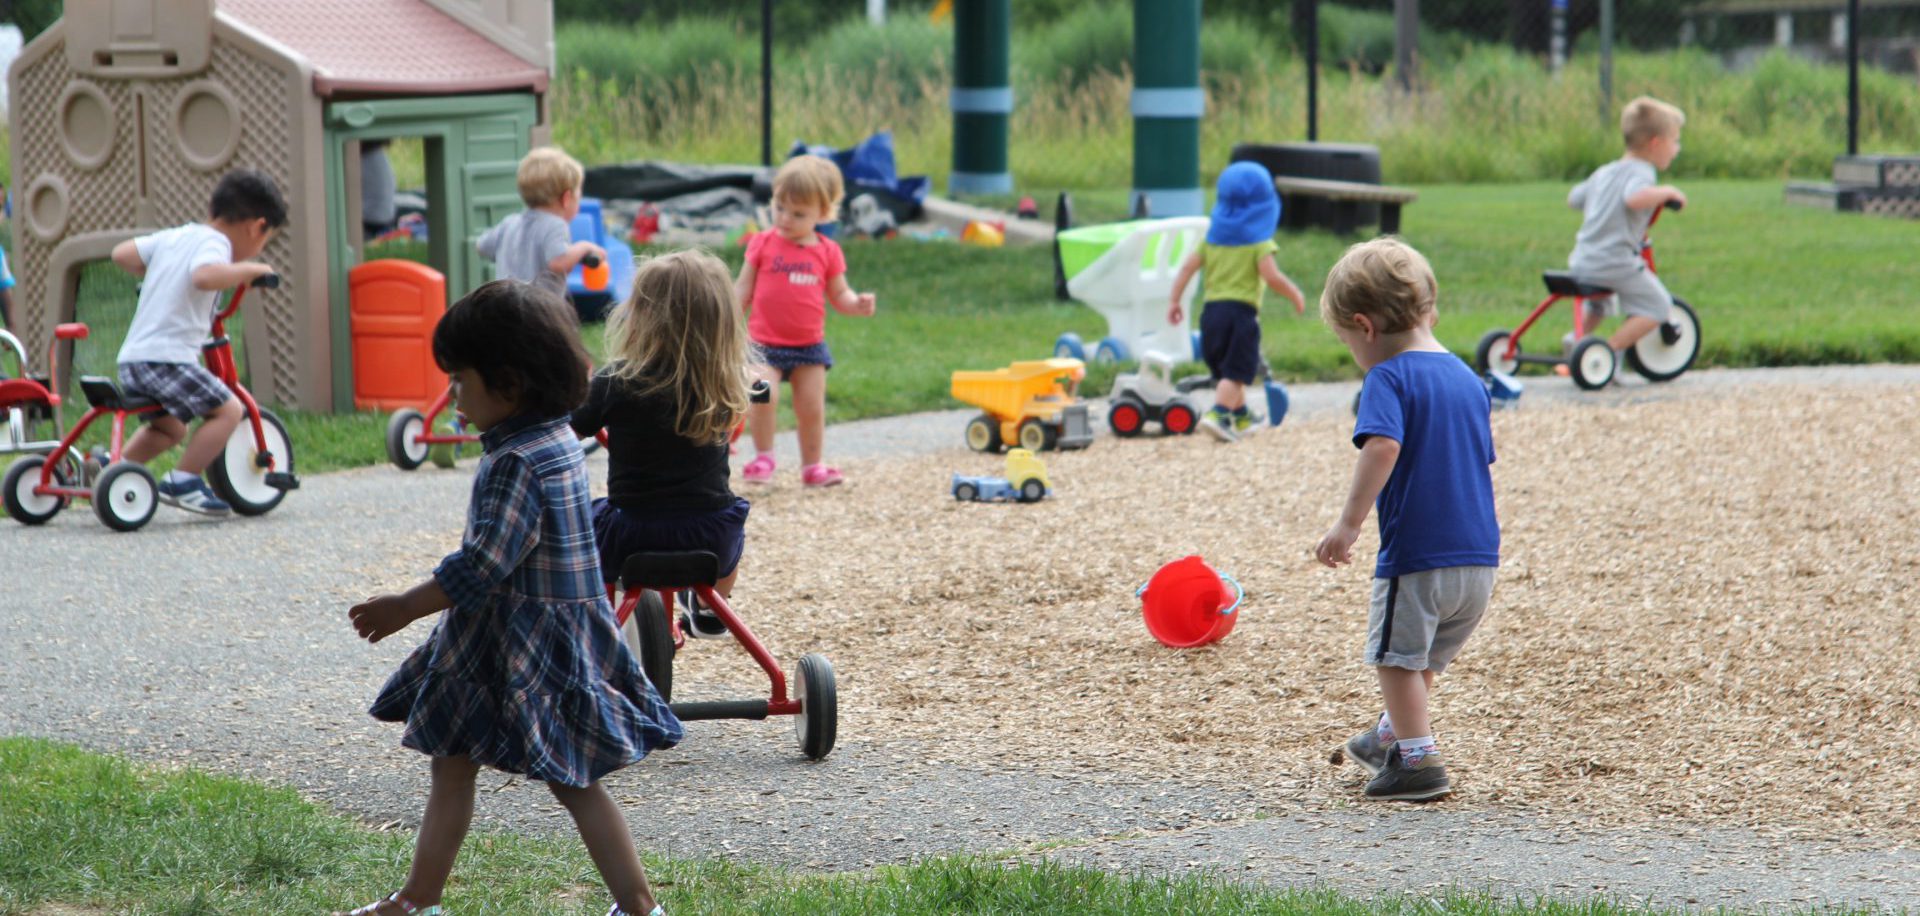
(669, 570)
(1562, 283)
(103, 393)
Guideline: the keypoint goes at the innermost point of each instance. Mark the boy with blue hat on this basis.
(1238, 261)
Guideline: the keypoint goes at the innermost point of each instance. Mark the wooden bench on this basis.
(1347, 196)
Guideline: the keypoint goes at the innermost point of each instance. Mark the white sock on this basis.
(179, 476)
(1384, 730)
(1413, 749)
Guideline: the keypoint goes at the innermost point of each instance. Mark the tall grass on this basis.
(1484, 114)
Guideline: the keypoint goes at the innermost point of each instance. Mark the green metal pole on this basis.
(1167, 105)
(982, 97)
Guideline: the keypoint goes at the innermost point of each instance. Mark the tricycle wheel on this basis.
(983, 434)
(1592, 363)
(237, 474)
(26, 506)
(819, 717)
(650, 635)
(966, 492)
(404, 447)
(1037, 436)
(125, 496)
(1669, 350)
(1032, 491)
(1126, 417)
(1178, 419)
(1491, 354)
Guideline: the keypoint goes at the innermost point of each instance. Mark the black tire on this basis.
(125, 496)
(818, 721)
(650, 636)
(1037, 436)
(238, 478)
(25, 506)
(966, 493)
(1483, 360)
(404, 429)
(1592, 363)
(1032, 490)
(983, 434)
(1670, 350)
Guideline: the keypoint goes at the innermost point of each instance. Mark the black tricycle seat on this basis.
(1562, 283)
(669, 570)
(103, 393)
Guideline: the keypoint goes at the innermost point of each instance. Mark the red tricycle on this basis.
(252, 474)
(31, 400)
(1660, 356)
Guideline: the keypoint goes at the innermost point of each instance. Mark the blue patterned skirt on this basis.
(544, 689)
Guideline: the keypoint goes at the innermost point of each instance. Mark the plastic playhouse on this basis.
(1030, 403)
(1026, 481)
(1125, 272)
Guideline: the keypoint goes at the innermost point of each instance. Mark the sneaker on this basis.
(1220, 426)
(1367, 750)
(1423, 781)
(696, 620)
(192, 495)
(759, 470)
(819, 475)
(1245, 423)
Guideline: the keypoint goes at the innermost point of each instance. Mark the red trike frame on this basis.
(777, 703)
(26, 391)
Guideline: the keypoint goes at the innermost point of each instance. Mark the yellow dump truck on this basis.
(1031, 404)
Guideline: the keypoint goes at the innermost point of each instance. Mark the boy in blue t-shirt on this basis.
(1425, 447)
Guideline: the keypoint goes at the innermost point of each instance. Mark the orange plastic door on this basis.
(393, 306)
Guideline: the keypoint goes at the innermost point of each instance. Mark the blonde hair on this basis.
(681, 334)
(546, 174)
(810, 180)
(1385, 279)
(1646, 117)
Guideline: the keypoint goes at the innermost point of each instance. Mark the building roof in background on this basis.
(386, 47)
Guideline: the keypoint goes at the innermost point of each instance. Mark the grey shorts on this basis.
(1637, 292)
(1420, 621)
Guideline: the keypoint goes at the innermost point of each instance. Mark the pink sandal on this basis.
(759, 470)
(819, 475)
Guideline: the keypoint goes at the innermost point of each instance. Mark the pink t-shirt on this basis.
(789, 307)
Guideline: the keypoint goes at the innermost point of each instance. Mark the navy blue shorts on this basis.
(787, 359)
(619, 534)
(1230, 340)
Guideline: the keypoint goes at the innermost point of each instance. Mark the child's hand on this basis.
(1175, 313)
(1336, 548)
(1299, 303)
(864, 304)
(1675, 195)
(377, 618)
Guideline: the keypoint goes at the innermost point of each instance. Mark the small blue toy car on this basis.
(1022, 466)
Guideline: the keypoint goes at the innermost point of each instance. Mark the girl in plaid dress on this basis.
(525, 672)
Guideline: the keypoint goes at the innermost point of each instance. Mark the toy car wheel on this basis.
(1670, 350)
(1032, 491)
(404, 447)
(1036, 436)
(819, 720)
(125, 496)
(1069, 346)
(650, 636)
(1126, 417)
(1178, 419)
(1592, 363)
(983, 434)
(1111, 350)
(24, 505)
(237, 474)
(966, 492)
(1491, 354)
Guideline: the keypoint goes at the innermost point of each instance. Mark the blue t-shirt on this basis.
(1437, 507)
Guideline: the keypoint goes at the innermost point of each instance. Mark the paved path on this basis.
(251, 669)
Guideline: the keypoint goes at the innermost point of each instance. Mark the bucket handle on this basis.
(1239, 594)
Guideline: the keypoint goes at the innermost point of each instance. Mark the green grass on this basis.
(82, 829)
(1774, 286)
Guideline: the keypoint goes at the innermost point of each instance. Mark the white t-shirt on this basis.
(172, 318)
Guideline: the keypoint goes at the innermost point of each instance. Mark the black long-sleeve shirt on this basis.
(651, 468)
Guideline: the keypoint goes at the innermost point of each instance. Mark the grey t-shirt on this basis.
(523, 244)
(1610, 233)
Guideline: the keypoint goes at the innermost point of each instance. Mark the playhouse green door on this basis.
(494, 147)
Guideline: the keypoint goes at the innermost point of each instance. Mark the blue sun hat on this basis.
(1246, 209)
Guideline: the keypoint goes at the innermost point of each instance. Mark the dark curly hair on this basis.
(522, 340)
(244, 195)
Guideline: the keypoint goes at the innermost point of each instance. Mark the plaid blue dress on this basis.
(527, 672)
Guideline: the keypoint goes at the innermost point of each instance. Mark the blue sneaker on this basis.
(192, 495)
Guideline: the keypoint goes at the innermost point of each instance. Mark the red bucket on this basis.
(1186, 603)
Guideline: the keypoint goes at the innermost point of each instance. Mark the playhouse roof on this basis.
(386, 47)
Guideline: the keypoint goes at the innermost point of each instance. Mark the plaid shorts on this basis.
(186, 390)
